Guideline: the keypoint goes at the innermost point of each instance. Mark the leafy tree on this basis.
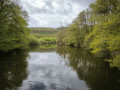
(75, 33)
(98, 29)
(106, 33)
(13, 24)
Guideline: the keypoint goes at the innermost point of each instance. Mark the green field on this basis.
(41, 35)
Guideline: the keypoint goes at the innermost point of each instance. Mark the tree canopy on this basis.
(13, 26)
(98, 29)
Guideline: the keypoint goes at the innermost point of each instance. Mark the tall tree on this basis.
(13, 24)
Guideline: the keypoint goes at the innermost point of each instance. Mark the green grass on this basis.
(41, 35)
(44, 40)
(48, 40)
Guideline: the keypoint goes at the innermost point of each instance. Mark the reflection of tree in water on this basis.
(43, 48)
(13, 69)
(93, 70)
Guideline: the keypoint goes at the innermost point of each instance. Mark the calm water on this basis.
(56, 68)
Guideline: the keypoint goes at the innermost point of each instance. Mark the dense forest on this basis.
(13, 26)
(97, 29)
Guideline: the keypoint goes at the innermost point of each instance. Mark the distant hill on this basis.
(61, 28)
(43, 30)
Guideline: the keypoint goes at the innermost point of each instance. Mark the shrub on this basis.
(33, 40)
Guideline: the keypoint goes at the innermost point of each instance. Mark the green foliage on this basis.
(36, 40)
(13, 26)
(48, 40)
(33, 40)
(106, 33)
(60, 36)
(97, 29)
(40, 35)
(115, 62)
(99, 40)
(75, 33)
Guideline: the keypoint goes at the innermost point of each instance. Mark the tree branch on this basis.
(12, 5)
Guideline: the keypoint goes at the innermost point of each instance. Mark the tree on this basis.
(106, 33)
(98, 29)
(13, 24)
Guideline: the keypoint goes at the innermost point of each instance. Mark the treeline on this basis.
(98, 29)
(43, 30)
(13, 26)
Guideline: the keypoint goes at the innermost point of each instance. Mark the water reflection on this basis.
(97, 73)
(48, 71)
(13, 69)
(43, 48)
(56, 68)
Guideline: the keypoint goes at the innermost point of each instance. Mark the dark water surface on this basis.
(56, 68)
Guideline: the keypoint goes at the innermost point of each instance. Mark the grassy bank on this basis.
(42, 36)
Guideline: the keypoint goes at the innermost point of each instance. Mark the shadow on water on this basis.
(63, 68)
(95, 71)
(13, 69)
(43, 48)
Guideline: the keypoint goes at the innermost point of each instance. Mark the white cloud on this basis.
(51, 13)
(38, 4)
(55, 5)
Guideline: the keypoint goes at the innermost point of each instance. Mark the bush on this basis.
(47, 40)
(33, 40)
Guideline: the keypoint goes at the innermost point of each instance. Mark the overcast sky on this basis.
(53, 13)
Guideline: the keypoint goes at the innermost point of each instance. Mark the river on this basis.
(52, 67)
